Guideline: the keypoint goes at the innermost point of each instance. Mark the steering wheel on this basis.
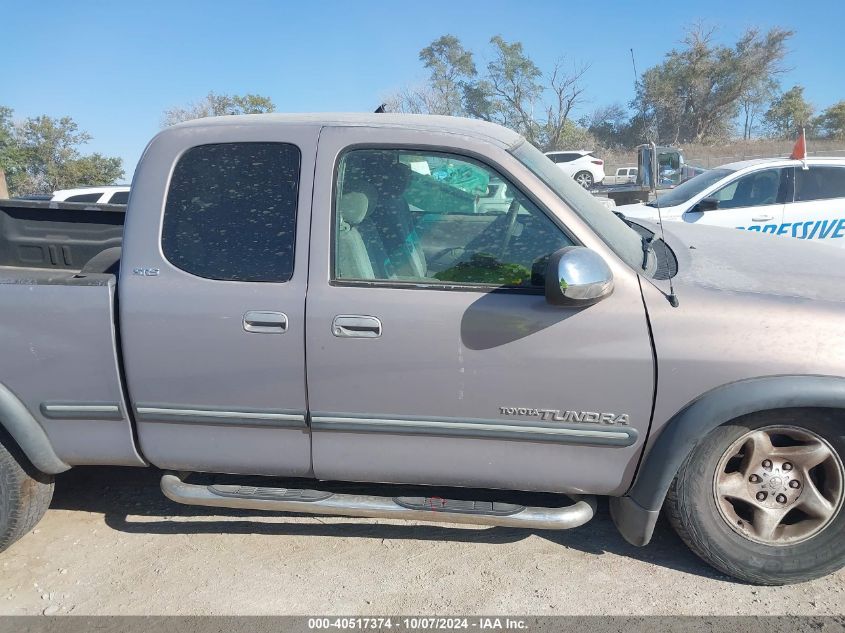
(513, 211)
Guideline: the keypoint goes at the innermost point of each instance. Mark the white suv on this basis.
(581, 165)
(112, 194)
(781, 196)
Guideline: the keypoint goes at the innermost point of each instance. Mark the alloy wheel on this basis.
(779, 485)
(585, 179)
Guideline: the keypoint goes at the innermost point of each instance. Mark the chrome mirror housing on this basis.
(577, 277)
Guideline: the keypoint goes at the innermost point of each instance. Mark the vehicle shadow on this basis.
(131, 502)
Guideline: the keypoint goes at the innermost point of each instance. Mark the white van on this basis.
(781, 196)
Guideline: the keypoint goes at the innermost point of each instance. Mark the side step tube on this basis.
(410, 508)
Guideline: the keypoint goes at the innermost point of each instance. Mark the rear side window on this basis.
(231, 211)
(819, 183)
(84, 197)
(119, 197)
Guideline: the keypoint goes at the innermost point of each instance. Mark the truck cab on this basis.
(421, 301)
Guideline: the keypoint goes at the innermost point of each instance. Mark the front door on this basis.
(212, 321)
(754, 202)
(432, 354)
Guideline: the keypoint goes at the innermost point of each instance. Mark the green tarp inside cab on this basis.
(440, 185)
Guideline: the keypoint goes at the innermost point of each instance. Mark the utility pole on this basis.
(4, 190)
(636, 75)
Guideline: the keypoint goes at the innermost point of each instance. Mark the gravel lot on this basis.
(112, 544)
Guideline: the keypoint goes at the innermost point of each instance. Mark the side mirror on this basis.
(706, 204)
(577, 277)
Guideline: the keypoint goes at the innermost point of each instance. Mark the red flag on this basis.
(799, 152)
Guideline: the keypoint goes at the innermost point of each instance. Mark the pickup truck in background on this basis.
(622, 176)
(658, 168)
(346, 298)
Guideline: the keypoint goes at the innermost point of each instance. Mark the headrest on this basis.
(353, 207)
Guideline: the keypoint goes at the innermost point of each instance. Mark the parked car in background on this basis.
(582, 165)
(623, 176)
(117, 194)
(802, 199)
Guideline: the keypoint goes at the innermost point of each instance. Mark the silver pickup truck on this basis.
(335, 298)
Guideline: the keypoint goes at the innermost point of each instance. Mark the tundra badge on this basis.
(556, 415)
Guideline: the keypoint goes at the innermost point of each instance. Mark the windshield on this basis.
(688, 190)
(621, 238)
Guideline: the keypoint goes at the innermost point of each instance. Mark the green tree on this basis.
(11, 160)
(451, 73)
(753, 102)
(612, 127)
(695, 93)
(218, 105)
(831, 122)
(94, 169)
(513, 87)
(512, 90)
(787, 113)
(451, 69)
(48, 158)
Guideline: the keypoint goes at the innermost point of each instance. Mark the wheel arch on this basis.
(24, 430)
(635, 514)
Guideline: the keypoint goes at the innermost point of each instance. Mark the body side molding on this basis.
(224, 417)
(82, 410)
(635, 513)
(595, 434)
(16, 419)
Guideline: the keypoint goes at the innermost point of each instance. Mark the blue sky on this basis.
(115, 66)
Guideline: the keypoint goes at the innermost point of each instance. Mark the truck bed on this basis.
(60, 357)
(50, 235)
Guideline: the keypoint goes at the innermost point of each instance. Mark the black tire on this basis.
(692, 509)
(584, 178)
(25, 494)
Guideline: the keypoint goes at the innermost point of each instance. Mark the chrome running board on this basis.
(408, 508)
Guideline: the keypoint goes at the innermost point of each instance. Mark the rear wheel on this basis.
(761, 498)
(25, 494)
(584, 178)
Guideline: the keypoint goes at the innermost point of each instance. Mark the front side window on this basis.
(436, 218)
(754, 190)
(819, 182)
(620, 237)
(231, 211)
(686, 191)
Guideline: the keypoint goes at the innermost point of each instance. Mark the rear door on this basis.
(212, 293)
(753, 201)
(433, 356)
(818, 212)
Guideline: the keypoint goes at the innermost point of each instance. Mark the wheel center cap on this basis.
(774, 486)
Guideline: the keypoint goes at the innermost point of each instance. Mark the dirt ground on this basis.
(112, 544)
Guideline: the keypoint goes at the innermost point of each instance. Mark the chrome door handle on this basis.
(356, 326)
(266, 322)
(762, 218)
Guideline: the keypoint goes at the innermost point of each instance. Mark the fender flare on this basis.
(635, 514)
(25, 430)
